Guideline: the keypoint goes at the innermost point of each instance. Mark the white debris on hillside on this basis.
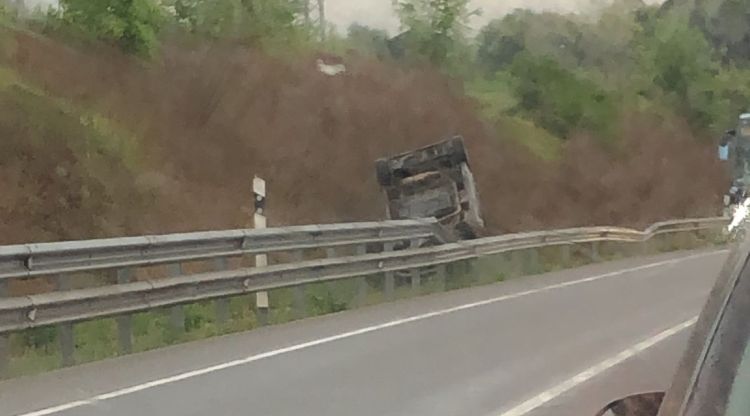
(331, 70)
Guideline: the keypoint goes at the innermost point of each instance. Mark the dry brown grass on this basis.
(210, 117)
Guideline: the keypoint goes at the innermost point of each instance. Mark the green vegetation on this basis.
(723, 22)
(567, 74)
(68, 171)
(494, 94)
(677, 62)
(254, 21)
(8, 13)
(88, 133)
(84, 165)
(367, 40)
(132, 25)
(559, 101)
(434, 29)
(540, 141)
(572, 74)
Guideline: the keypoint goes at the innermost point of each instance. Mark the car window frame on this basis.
(707, 356)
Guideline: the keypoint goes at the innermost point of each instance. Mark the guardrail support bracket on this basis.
(124, 322)
(4, 356)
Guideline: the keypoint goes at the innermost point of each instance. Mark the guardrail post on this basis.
(700, 233)
(683, 240)
(65, 331)
(595, 256)
(532, 257)
(300, 297)
(4, 356)
(4, 339)
(416, 280)
(516, 263)
(124, 322)
(176, 313)
(647, 246)
(565, 255)
(361, 250)
(674, 240)
(390, 280)
(441, 275)
(221, 306)
(262, 304)
(416, 277)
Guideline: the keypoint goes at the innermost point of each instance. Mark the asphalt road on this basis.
(544, 345)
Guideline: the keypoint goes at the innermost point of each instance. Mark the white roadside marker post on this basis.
(261, 260)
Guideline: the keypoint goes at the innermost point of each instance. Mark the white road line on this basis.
(321, 341)
(582, 377)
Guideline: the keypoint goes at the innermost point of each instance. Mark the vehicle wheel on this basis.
(457, 151)
(383, 172)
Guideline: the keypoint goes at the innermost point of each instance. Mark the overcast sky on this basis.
(379, 13)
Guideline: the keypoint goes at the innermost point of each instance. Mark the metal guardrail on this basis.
(28, 260)
(686, 225)
(68, 307)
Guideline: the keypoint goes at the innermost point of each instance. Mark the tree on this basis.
(543, 34)
(12, 10)
(436, 28)
(558, 100)
(133, 25)
(599, 46)
(251, 20)
(730, 29)
(368, 40)
(500, 41)
(724, 23)
(678, 60)
(4, 11)
(606, 44)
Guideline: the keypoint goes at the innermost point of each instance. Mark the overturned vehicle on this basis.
(433, 181)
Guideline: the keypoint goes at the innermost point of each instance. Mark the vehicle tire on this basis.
(457, 151)
(383, 172)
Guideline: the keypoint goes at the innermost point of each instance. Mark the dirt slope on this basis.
(205, 119)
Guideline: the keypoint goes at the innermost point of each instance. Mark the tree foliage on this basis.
(601, 45)
(368, 40)
(435, 28)
(253, 20)
(558, 100)
(677, 60)
(725, 23)
(11, 10)
(501, 40)
(133, 25)
(689, 58)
